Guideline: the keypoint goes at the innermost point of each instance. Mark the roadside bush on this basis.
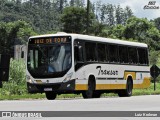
(154, 57)
(16, 84)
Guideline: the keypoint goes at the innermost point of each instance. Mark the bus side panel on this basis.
(107, 79)
(106, 76)
(145, 80)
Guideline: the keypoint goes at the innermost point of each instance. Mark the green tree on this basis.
(79, 3)
(136, 28)
(119, 15)
(98, 9)
(72, 2)
(154, 57)
(97, 28)
(144, 31)
(43, 15)
(25, 32)
(110, 15)
(128, 13)
(118, 31)
(157, 23)
(74, 20)
(102, 14)
(66, 3)
(13, 32)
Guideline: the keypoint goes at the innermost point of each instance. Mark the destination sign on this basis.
(50, 40)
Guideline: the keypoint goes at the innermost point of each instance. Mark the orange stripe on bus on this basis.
(110, 86)
(146, 83)
(81, 87)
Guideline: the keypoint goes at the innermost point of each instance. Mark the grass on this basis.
(147, 91)
(136, 92)
(21, 97)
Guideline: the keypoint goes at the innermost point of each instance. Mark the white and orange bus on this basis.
(73, 63)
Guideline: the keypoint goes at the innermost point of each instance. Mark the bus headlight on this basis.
(68, 77)
(29, 79)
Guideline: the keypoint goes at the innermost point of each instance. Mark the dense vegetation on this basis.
(21, 18)
(17, 78)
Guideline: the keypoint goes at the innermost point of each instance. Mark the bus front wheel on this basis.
(50, 95)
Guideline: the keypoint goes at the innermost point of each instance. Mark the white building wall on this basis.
(18, 49)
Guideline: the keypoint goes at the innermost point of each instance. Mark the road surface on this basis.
(134, 103)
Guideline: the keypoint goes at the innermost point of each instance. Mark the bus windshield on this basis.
(49, 61)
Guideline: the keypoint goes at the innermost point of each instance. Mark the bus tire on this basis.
(96, 95)
(51, 95)
(128, 91)
(91, 87)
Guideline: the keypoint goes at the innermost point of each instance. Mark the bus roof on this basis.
(94, 38)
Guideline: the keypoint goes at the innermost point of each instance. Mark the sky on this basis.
(137, 7)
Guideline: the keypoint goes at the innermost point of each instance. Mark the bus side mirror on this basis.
(22, 54)
(4, 67)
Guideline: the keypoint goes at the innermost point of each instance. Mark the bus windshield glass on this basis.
(49, 57)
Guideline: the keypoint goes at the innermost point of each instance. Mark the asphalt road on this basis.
(134, 103)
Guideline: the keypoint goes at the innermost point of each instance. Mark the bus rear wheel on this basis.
(51, 95)
(128, 91)
(96, 94)
(90, 92)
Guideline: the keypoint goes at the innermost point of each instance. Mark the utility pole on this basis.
(87, 16)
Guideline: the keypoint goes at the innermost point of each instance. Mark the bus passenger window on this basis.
(101, 52)
(90, 51)
(78, 53)
(107, 54)
(113, 50)
(146, 53)
(143, 57)
(123, 54)
(133, 58)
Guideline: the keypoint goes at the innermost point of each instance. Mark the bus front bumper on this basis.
(62, 87)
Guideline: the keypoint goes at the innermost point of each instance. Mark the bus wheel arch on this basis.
(91, 87)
